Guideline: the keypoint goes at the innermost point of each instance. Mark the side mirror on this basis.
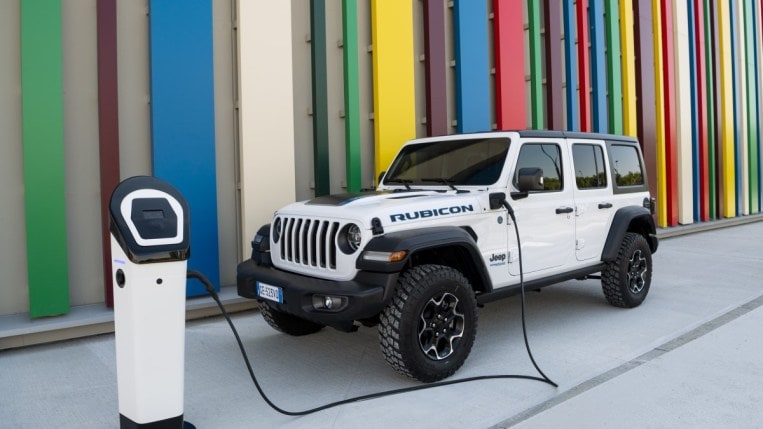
(530, 179)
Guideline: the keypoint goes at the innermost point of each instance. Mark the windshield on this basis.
(468, 162)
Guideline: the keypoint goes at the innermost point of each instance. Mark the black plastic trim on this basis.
(421, 239)
(170, 423)
(367, 293)
(147, 254)
(507, 291)
(576, 135)
(620, 225)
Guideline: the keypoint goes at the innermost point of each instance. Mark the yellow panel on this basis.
(628, 68)
(394, 96)
(659, 90)
(683, 112)
(728, 205)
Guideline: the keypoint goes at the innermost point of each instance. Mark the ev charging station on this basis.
(150, 246)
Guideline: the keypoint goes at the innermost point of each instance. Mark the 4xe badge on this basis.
(497, 259)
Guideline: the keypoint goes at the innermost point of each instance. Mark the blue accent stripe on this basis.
(694, 109)
(182, 119)
(472, 71)
(598, 66)
(570, 66)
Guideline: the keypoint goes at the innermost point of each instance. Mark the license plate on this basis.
(272, 293)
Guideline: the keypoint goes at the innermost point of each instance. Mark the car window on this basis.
(475, 162)
(588, 160)
(626, 165)
(547, 157)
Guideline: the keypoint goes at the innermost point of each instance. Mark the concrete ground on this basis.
(690, 356)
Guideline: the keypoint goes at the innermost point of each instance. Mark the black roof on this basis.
(576, 135)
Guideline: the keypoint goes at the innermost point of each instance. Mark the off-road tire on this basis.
(434, 307)
(626, 280)
(286, 323)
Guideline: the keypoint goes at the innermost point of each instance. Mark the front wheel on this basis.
(626, 280)
(428, 329)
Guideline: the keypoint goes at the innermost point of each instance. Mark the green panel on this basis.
(752, 105)
(710, 73)
(614, 67)
(536, 66)
(320, 97)
(43, 139)
(351, 95)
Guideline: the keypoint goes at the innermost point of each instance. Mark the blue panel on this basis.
(694, 110)
(182, 119)
(570, 66)
(598, 66)
(472, 71)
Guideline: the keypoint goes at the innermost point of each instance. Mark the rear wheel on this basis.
(626, 280)
(287, 323)
(428, 329)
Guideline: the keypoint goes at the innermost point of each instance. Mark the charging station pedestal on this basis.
(150, 245)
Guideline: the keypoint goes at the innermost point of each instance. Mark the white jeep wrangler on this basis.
(435, 239)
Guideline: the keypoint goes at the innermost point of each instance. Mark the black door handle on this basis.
(605, 205)
(563, 210)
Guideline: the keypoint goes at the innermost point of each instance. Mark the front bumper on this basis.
(366, 294)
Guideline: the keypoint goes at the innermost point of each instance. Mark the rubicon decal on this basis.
(421, 214)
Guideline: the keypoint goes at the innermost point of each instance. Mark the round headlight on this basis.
(353, 237)
(349, 238)
(277, 229)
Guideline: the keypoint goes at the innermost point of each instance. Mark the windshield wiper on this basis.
(442, 180)
(405, 182)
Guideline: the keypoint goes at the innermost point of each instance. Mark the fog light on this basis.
(329, 303)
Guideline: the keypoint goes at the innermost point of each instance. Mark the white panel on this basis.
(14, 295)
(134, 98)
(365, 82)
(266, 112)
(303, 96)
(83, 192)
(225, 142)
(683, 113)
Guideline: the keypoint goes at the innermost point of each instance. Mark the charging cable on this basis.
(192, 274)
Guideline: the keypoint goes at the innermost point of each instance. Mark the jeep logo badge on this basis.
(497, 259)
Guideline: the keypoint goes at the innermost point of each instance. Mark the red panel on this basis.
(668, 78)
(699, 43)
(508, 25)
(584, 64)
(108, 127)
(645, 82)
(436, 87)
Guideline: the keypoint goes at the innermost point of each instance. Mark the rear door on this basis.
(594, 204)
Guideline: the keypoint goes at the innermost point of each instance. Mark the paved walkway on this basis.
(690, 356)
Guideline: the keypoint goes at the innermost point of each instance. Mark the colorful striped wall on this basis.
(248, 105)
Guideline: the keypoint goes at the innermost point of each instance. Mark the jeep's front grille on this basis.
(309, 242)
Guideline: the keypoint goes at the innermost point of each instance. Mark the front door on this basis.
(546, 217)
